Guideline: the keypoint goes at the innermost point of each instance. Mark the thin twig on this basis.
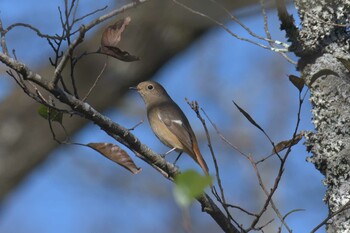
(117, 132)
(280, 172)
(269, 195)
(38, 32)
(265, 158)
(278, 178)
(82, 30)
(281, 146)
(264, 225)
(67, 28)
(279, 50)
(266, 22)
(241, 209)
(283, 161)
(3, 40)
(223, 137)
(51, 128)
(135, 126)
(343, 208)
(250, 32)
(66, 141)
(96, 80)
(287, 24)
(268, 34)
(269, 39)
(89, 14)
(75, 12)
(195, 108)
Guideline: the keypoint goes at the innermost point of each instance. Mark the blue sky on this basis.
(77, 190)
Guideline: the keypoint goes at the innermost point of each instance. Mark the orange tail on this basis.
(199, 158)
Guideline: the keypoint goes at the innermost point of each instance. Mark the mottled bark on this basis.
(322, 39)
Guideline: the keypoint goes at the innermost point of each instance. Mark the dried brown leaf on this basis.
(287, 143)
(116, 154)
(113, 33)
(297, 82)
(118, 53)
(249, 118)
(111, 36)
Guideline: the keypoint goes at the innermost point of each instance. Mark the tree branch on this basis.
(118, 132)
(82, 30)
(287, 24)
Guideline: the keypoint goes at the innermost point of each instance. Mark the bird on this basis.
(168, 122)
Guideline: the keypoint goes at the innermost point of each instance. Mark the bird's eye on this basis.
(150, 87)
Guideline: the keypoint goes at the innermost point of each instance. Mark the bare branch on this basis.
(38, 32)
(3, 40)
(287, 24)
(223, 137)
(241, 209)
(266, 23)
(96, 80)
(268, 34)
(23, 70)
(345, 207)
(89, 14)
(82, 30)
(222, 25)
(119, 133)
(195, 108)
(269, 195)
(233, 18)
(137, 125)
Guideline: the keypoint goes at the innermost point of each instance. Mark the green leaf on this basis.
(190, 185)
(50, 114)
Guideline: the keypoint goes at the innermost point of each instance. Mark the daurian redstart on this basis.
(168, 122)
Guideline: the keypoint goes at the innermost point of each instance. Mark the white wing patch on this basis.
(159, 116)
(179, 122)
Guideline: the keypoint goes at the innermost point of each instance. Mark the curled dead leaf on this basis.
(297, 82)
(116, 154)
(113, 33)
(111, 36)
(118, 53)
(248, 117)
(287, 143)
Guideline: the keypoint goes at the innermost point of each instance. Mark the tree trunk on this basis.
(321, 41)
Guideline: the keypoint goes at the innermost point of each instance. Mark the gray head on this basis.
(152, 92)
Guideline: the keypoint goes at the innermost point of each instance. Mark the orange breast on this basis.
(163, 133)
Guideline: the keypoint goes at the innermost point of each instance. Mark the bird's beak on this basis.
(133, 88)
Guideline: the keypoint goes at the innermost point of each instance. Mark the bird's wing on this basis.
(177, 123)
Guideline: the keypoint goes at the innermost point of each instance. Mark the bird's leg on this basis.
(177, 158)
(163, 155)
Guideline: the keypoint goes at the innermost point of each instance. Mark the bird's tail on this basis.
(199, 158)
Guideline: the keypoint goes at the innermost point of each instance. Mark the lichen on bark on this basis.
(325, 34)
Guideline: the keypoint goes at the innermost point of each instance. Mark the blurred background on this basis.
(48, 188)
